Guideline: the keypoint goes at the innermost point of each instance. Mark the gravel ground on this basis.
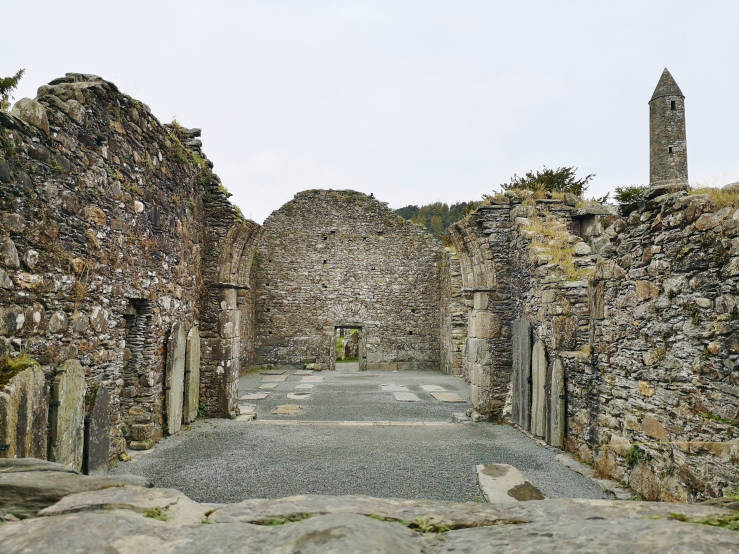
(425, 456)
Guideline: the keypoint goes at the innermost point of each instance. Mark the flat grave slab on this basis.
(447, 397)
(304, 386)
(303, 372)
(254, 396)
(274, 378)
(298, 395)
(286, 409)
(432, 388)
(312, 379)
(272, 372)
(392, 387)
(406, 396)
(268, 385)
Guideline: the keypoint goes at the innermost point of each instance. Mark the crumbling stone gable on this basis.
(101, 238)
(341, 257)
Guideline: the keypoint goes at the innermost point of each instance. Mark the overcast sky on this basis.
(414, 101)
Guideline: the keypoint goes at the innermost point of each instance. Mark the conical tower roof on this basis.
(667, 87)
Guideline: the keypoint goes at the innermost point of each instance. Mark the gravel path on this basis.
(422, 456)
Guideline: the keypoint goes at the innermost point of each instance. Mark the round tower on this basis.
(668, 153)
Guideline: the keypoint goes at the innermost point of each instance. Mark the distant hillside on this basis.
(438, 216)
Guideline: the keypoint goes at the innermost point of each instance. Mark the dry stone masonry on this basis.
(112, 230)
(341, 258)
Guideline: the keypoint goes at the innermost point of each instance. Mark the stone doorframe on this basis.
(362, 343)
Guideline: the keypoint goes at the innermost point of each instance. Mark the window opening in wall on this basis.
(669, 149)
(672, 105)
(410, 332)
(347, 345)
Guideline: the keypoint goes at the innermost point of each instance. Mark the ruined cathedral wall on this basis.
(481, 241)
(340, 257)
(101, 234)
(454, 307)
(666, 350)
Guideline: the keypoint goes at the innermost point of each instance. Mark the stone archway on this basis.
(226, 325)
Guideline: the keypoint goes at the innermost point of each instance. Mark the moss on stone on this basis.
(10, 367)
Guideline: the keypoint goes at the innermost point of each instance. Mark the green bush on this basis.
(630, 195)
(562, 179)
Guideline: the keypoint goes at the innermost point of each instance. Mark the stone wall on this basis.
(666, 349)
(638, 320)
(454, 306)
(102, 236)
(481, 241)
(332, 258)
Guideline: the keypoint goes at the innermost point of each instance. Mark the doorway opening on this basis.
(347, 348)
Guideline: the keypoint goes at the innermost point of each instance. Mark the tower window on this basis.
(672, 105)
(669, 149)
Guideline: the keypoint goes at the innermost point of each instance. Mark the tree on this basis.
(7, 86)
(562, 179)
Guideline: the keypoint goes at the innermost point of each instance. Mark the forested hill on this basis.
(436, 217)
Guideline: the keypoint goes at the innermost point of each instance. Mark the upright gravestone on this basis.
(521, 378)
(192, 376)
(67, 415)
(97, 433)
(557, 405)
(538, 383)
(24, 414)
(174, 379)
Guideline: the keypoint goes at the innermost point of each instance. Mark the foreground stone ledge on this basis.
(96, 514)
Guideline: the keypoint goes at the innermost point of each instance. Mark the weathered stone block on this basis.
(192, 376)
(538, 392)
(557, 405)
(97, 433)
(174, 377)
(67, 415)
(24, 414)
(521, 375)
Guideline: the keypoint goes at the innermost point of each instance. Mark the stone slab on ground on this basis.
(432, 388)
(176, 507)
(274, 378)
(268, 386)
(40, 484)
(97, 433)
(272, 372)
(67, 415)
(298, 395)
(406, 396)
(175, 377)
(312, 379)
(254, 396)
(304, 386)
(131, 518)
(286, 409)
(461, 417)
(504, 483)
(303, 372)
(448, 397)
(392, 387)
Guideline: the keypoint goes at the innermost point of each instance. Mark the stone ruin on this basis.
(138, 295)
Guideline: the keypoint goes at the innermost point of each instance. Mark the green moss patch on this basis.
(10, 367)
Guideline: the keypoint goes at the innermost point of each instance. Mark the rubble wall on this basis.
(331, 258)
